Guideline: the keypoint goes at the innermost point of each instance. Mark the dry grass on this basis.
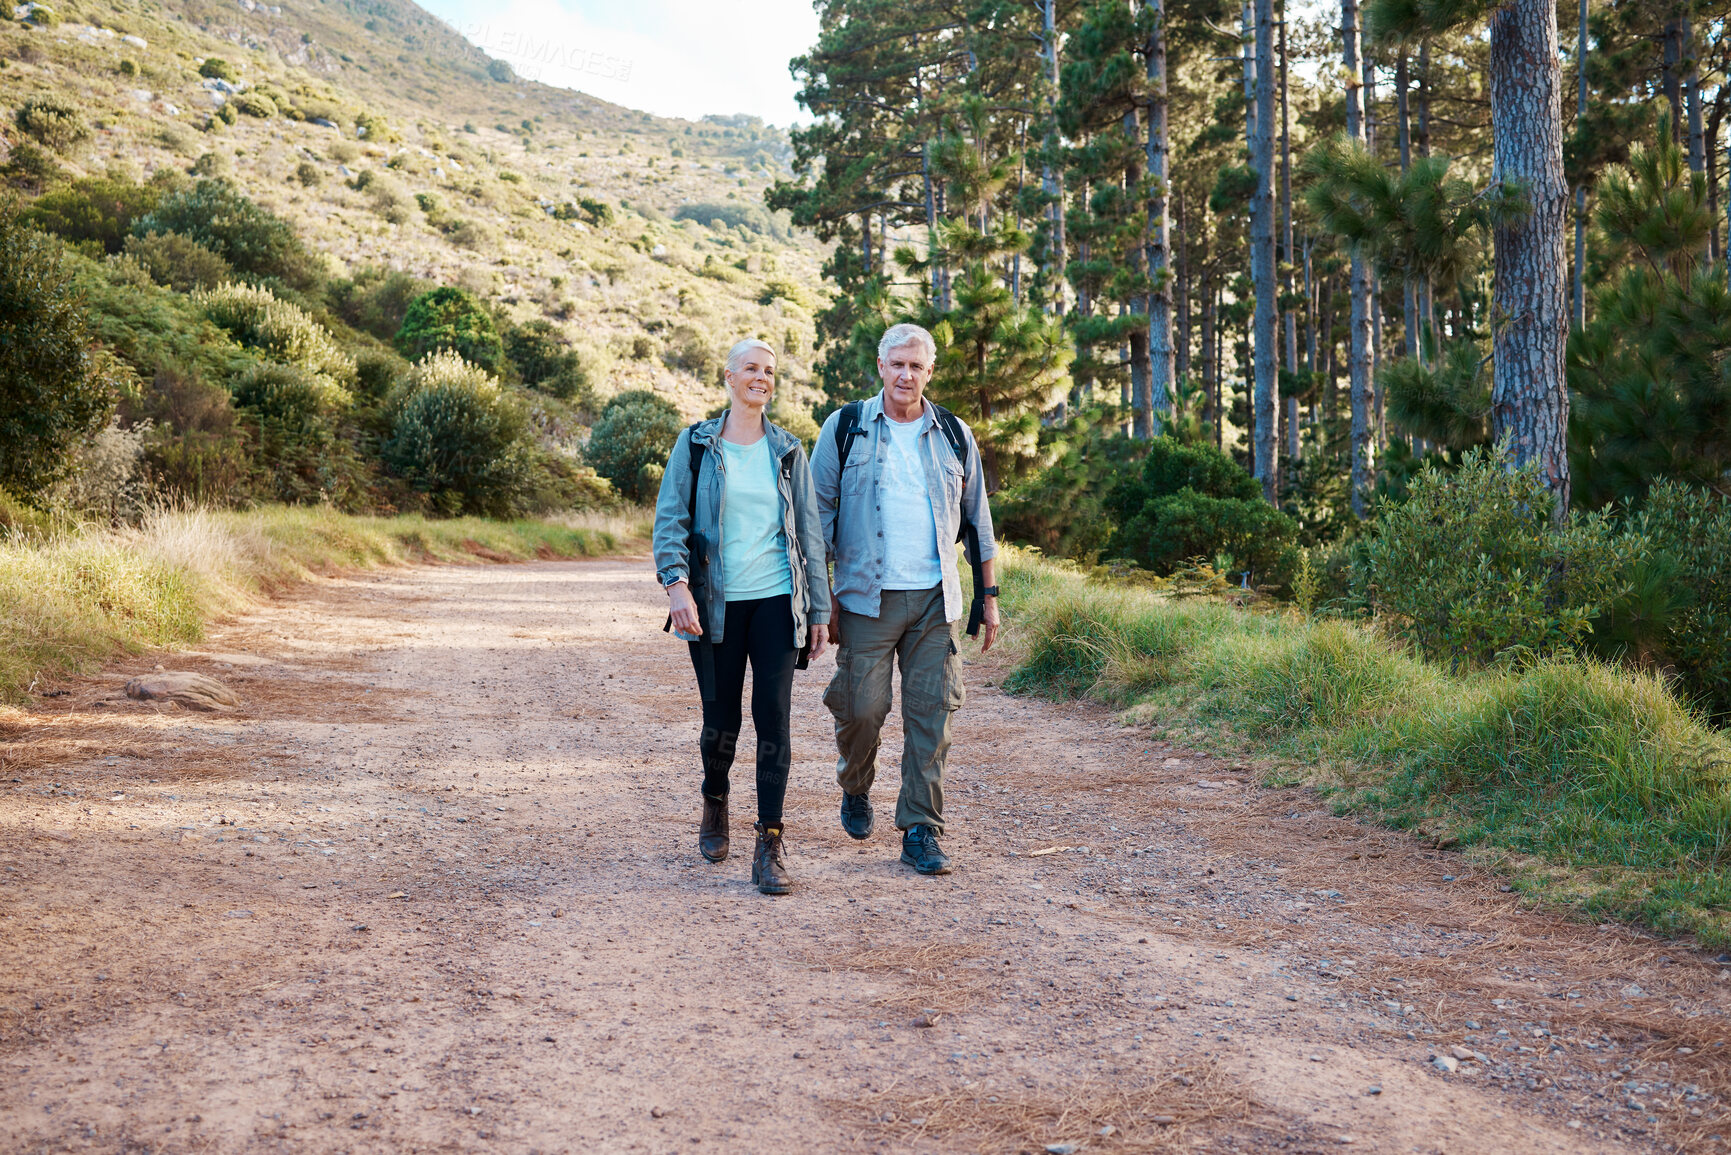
(939, 978)
(1152, 1113)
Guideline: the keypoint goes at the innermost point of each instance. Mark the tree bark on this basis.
(1262, 254)
(1051, 183)
(1181, 292)
(1579, 309)
(1359, 320)
(1141, 402)
(1421, 137)
(1287, 258)
(1671, 77)
(1529, 400)
(1161, 374)
(1697, 141)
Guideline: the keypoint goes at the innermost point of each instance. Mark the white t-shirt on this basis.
(910, 534)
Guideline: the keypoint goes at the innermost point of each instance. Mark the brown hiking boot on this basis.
(768, 866)
(712, 835)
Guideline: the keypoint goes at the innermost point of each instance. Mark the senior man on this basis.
(898, 482)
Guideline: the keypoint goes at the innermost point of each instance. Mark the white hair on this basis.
(737, 354)
(908, 334)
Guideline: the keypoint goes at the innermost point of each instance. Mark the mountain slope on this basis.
(434, 160)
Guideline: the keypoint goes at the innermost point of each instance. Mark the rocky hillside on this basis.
(390, 142)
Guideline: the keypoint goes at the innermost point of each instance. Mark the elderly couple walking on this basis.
(746, 532)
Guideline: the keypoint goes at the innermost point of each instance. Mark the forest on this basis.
(1359, 307)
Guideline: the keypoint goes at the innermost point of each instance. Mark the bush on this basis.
(500, 71)
(1193, 501)
(31, 168)
(288, 393)
(254, 104)
(216, 68)
(94, 209)
(251, 239)
(450, 318)
(1062, 510)
(457, 438)
(309, 174)
(284, 331)
(52, 122)
(630, 443)
(54, 390)
(179, 262)
(546, 363)
(688, 348)
(1690, 529)
(1472, 568)
(300, 449)
(734, 215)
(375, 300)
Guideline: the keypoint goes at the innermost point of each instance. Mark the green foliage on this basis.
(254, 104)
(254, 317)
(459, 439)
(52, 122)
(300, 447)
(1472, 568)
(546, 363)
(450, 318)
(1193, 501)
(54, 389)
(630, 443)
(735, 215)
(500, 71)
(251, 239)
(178, 262)
(216, 68)
(1063, 509)
(375, 300)
(309, 174)
(1449, 404)
(99, 210)
(1689, 531)
(30, 168)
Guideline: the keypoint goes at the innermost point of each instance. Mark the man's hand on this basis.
(989, 625)
(684, 609)
(818, 643)
(834, 621)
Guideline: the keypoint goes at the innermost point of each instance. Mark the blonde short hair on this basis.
(737, 354)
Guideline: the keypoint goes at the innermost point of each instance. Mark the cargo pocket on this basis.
(839, 696)
(954, 693)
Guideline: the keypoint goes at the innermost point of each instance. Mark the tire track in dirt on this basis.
(436, 888)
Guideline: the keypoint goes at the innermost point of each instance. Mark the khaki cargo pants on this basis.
(909, 629)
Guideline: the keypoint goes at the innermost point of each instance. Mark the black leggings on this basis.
(760, 631)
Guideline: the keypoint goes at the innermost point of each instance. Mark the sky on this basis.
(683, 58)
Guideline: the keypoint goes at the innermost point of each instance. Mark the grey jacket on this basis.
(805, 552)
(855, 539)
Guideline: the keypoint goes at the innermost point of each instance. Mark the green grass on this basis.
(71, 600)
(1591, 784)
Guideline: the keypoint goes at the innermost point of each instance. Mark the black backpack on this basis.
(847, 427)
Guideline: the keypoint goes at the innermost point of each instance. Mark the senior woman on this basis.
(739, 549)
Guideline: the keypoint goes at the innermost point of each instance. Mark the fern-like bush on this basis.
(253, 316)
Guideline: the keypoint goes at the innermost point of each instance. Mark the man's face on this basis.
(905, 370)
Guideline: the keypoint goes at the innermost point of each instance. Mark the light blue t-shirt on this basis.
(753, 536)
(910, 535)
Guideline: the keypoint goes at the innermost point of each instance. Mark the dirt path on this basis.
(436, 888)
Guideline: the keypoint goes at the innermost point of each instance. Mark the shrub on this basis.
(457, 438)
(734, 215)
(1194, 501)
(1691, 530)
(95, 209)
(216, 68)
(52, 122)
(1472, 568)
(450, 318)
(30, 168)
(255, 104)
(690, 349)
(254, 317)
(179, 262)
(287, 393)
(630, 443)
(309, 174)
(546, 362)
(251, 239)
(1062, 509)
(375, 300)
(54, 390)
(500, 71)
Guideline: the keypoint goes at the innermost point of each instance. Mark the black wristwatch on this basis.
(989, 592)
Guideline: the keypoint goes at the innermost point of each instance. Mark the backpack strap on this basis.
(970, 534)
(847, 428)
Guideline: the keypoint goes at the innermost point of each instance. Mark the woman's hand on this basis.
(684, 609)
(819, 642)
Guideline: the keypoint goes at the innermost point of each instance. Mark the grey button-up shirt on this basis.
(849, 505)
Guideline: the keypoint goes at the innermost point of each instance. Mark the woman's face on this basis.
(751, 383)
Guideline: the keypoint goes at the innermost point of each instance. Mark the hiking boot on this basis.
(768, 866)
(712, 835)
(856, 815)
(920, 850)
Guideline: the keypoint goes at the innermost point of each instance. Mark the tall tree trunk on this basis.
(1359, 322)
(1210, 365)
(1671, 76)
(1141, 403)
(1287, 256)
(1181, 291)
(865, 236)
(1579, 307)
(1161, 374)
(1421, 137)
(1692, 78)
(1402, 108)
(1262, 254)
(1051, 183)
(1529, 401)
(931, 221)
(1711, 144)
